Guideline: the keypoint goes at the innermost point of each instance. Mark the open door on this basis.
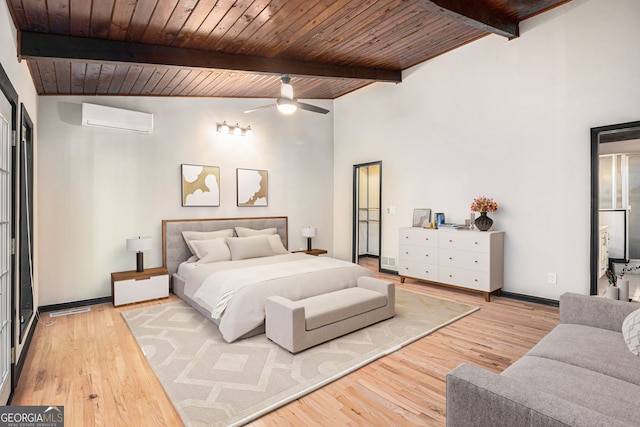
(24, 217)
(367, 218)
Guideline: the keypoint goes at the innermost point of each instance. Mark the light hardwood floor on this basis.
(91, 364)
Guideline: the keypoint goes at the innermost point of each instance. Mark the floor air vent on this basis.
(71, 311)
(388, 261)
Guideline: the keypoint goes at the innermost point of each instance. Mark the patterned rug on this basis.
(214, 383)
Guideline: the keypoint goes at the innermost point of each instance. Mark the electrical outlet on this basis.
(552, 278)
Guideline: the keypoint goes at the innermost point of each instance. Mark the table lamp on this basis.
(309, 232)
(139, 244)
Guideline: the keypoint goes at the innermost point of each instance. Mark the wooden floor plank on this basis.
(90, 363)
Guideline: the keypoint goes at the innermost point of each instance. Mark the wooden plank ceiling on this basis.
(228, 48)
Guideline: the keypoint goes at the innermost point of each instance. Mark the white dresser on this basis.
(472, 260)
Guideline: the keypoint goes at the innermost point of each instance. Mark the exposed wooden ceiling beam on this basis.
(475, 15)
(39, 45)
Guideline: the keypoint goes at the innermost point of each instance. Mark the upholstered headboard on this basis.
(175, 250)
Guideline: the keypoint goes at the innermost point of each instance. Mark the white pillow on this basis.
(212, 250)
(276, 245)
(249, 247)
(246, 232)
(190, 236)
(631, 332)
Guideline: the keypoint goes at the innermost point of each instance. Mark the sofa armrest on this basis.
(477, 397)
(594, 311)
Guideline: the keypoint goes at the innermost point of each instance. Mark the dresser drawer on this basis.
(478, 261)
(465, 241)
(417, 236)
(478, 280)
(418, 270)
(132, 290)
(419, 254)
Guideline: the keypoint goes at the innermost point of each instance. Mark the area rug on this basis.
(215, 383)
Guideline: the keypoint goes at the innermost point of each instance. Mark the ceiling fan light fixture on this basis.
(287, 108)
(286, 105)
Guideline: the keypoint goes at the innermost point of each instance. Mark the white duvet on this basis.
(235, 291)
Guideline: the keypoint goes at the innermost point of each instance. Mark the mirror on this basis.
(615, 204)
(367, 225)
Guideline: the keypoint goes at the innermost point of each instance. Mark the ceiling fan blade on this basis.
(309, 107)
(259, 108)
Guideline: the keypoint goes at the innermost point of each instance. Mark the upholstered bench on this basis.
(298, 325)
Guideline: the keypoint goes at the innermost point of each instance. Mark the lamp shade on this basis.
(139, 244)
(309, 231)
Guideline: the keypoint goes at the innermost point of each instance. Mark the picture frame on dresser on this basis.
(421, 217)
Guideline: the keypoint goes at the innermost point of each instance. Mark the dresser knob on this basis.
(451, 258)
(451, 275)
(450, 241)
(475, 243)
(475, 261)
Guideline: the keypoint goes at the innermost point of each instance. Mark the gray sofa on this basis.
(581, 374)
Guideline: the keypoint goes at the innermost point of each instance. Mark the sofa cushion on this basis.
(325, 309)
(599, 350)
(477, 397)
(604, 394)
(631, 332)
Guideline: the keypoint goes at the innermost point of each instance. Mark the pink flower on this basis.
(483, 204)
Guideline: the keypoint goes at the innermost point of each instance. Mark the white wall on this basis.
(99, 187)
(505, 119)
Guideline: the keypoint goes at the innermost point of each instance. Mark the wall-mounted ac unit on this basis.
(116, 118)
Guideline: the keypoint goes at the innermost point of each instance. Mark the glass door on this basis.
(5, 251)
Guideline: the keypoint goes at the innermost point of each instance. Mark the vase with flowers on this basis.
(483, 205)
(619, 286)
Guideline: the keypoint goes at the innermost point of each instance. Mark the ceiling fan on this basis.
(286, 103)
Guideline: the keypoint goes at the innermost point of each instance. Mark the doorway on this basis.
(367, 218)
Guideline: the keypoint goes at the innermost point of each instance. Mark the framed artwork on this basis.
(421, 217)
(200, 185)
(252, 187)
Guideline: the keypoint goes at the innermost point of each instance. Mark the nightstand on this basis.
(314, 252)
(132, 286)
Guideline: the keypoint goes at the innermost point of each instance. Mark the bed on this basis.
(226, 268)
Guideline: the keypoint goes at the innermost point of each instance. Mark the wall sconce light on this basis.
(236, 130)
(223, 128)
